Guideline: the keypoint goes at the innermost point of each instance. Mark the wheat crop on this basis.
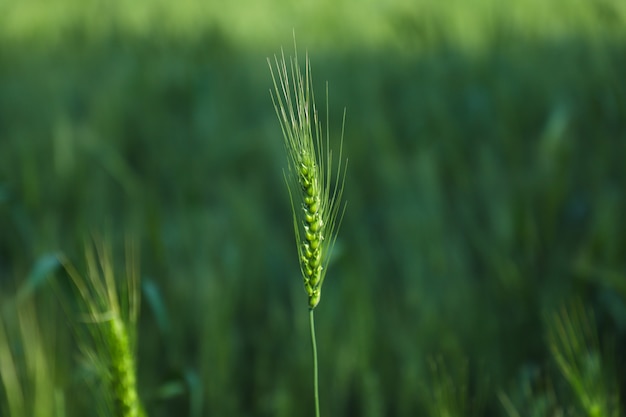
(110, 318)
(315, 196)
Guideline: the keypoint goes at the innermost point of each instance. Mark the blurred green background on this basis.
(486, 144)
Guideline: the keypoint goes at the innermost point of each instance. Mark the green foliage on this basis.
(31, 360)
(486, 144)
(449, 393)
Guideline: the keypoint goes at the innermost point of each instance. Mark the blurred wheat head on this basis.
(575, 346)
(110, 319)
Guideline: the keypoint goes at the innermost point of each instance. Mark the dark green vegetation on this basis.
(485, 198)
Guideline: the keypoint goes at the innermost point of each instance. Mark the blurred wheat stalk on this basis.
(29, 364)
(315, 197)
(111, 319)
(575, 346)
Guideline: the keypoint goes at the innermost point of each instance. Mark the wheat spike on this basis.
(111, 321)
(315, 198)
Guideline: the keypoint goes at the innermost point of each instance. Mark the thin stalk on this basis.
(315, 374)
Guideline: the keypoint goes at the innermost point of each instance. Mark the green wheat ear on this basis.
(575, 346)
(111, 321)
(315, 197)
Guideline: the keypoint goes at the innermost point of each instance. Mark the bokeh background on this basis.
(486, 144)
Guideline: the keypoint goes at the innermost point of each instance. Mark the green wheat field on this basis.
(147, 257)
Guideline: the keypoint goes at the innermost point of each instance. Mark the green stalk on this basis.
(315, 373)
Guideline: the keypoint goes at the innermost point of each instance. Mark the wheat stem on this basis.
(315, 368)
